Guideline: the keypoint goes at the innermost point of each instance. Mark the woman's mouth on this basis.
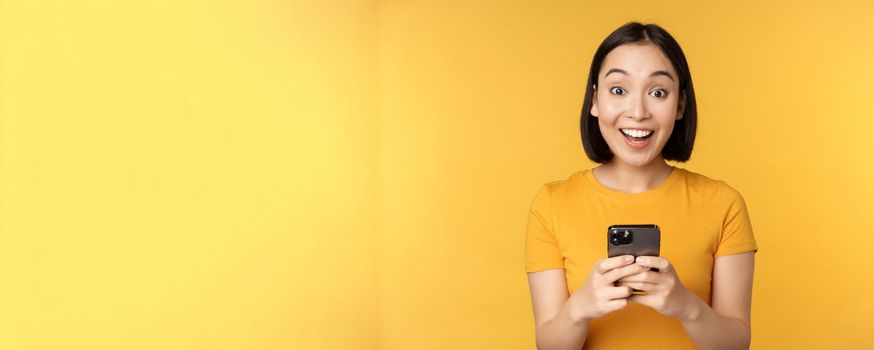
(637, 138)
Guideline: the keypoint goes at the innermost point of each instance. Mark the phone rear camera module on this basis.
(621, 237)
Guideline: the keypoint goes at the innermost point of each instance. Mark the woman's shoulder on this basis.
(698, 180)
(568, 183)
(566, 187)
(704, 184)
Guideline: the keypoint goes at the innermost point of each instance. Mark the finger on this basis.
(644, 299)
(646, 287)
(608, 264)
(617, 273)
(618, 292)
(617, 304)
(644, 276)
(655, 262)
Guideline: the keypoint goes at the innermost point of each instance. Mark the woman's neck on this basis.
(622, 177)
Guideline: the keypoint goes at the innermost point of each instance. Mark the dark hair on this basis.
(679, 145)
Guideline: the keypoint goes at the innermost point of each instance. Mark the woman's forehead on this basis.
(637, 60)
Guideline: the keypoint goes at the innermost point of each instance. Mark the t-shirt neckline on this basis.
(661, 188)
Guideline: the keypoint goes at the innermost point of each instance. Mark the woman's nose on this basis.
(637, 109)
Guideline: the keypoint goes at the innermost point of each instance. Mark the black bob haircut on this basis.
(679, 145)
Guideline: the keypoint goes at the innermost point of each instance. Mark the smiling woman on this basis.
(647, 73)
(668, 82)
(639, 111)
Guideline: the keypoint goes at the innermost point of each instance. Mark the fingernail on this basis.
(641, 260)
(629, 258)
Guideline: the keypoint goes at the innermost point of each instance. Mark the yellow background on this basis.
(356, 174)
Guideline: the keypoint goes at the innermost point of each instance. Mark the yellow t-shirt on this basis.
(700, 219)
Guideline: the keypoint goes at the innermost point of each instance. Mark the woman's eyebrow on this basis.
(661, 72)
(658, 72)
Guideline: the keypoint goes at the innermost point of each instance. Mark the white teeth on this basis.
(636, 132)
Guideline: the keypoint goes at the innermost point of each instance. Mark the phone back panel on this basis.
(645, 240)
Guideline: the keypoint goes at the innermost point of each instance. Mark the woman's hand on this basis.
(664, 291)
(599, 296)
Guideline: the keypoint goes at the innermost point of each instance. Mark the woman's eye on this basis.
(658, 93)
(617, 90)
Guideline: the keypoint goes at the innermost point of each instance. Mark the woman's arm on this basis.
(562, 321)
(555, 327)
(725, 325)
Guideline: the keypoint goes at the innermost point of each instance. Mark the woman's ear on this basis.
(594, 110)
(681, 105)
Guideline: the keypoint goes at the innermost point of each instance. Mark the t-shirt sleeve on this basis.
(541, 245)
(737, 231)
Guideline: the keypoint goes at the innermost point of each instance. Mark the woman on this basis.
(639, 111)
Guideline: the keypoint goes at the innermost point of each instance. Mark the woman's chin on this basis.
(637, 160)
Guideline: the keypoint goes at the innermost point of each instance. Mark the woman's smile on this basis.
(637, 138)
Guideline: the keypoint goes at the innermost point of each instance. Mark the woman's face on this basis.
(637, 100)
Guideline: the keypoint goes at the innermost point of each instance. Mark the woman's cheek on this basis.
(612, 111)
(667, 108)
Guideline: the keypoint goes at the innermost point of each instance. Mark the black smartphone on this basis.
(637, 240)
